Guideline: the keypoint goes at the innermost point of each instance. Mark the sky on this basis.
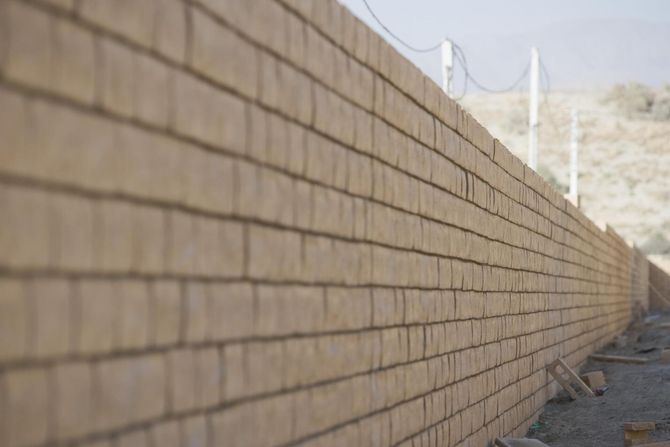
(481, 26)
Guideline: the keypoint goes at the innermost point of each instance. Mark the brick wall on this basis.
(253, 223)
(659, 288)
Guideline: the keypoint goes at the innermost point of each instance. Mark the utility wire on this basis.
(460, 56)
(392, 34)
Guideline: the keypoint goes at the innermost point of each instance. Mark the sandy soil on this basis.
(636, 393)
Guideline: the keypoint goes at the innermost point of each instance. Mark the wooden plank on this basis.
(576, 379)
(640, 425)
(618, 358)
(566, 382)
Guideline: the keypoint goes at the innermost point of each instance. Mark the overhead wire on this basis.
(395, 36)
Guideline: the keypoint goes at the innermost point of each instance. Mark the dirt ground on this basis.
(636, 393)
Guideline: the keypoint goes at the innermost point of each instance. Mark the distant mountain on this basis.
(578, 54)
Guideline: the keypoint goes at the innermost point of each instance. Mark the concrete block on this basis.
(14, 319)
(27, 403)
(129, 19)
(170, 23)
(30, 51)
(152, 80)
(221, 55)
(74, 65)
(97, 308)
(73, 414)
(51, 300)
(181, 384)
(166, 312)
(230, 311)
(132, 327)
(118, 83)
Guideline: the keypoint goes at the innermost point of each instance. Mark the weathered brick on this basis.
(132, 327)
(115, 235)
(13, 319)
(166, 312)
(30, 50)
(51, 300)
(26, 406)
(182, 380)
(152, 81)
(73, 222)
(223, 56)
(130, 19)
(195, 311)
(25, 239)
(97, 310)
(118, 66)
(74, 399)
(170, 35)
(74, 62)
(230, 311)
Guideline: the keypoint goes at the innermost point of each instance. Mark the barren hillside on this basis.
(624, 160)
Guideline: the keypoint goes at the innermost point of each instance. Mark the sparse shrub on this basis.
(660, 110)
(632, 99)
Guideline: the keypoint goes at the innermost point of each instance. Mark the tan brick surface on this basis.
(225, 224)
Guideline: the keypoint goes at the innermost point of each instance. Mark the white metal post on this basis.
(574, 153)
(447, 67)
(533, 107)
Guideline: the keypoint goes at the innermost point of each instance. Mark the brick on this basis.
(26, 406)
(137, 438)
(287, 245)
(72, 222)
(194, 431)
(170, 36)
(152, 79)
(115, 237)
(219, 247)
(208, 115)
(235, 377)
(130, 19)
(223, 56)
(13, 320)
(25, 239)
(209, 376)
(166, 312)
(149, 228)
(208, 181)
(151, 378)
(29, 49)
(195, 312)
(74, 402)
(289, 310)
(51, 300)
(234, 426)
(74, 62)
(180, 257)
(97, 310)
(118, 86)
(165, 434)
(230, 311)
(181, 385)
(348, 308)
(73, 147)
(132, 327)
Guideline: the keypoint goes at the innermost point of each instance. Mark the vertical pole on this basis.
(447, 68)
(533, 107)
(574, 153)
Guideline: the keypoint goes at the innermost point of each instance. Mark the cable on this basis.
(460, 56)
(408, 46)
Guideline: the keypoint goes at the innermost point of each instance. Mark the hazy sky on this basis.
(423, 23)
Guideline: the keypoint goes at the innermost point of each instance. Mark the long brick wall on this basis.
(253, 223)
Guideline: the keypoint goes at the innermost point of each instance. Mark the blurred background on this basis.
(609, 60)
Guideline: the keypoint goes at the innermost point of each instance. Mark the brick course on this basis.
(227, 223)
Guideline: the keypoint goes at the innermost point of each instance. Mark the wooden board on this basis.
(566, 382)
(618, 358)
